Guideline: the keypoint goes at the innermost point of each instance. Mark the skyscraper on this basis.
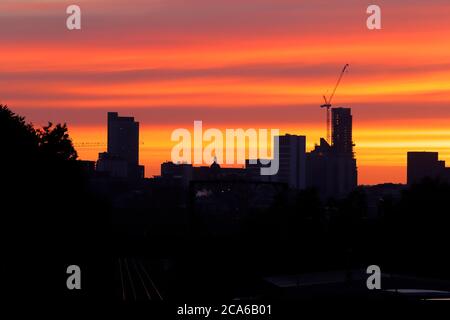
(341, 130)
(123, 138)
(331, 169)
(122, 158)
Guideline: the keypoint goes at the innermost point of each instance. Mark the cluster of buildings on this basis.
(426, 165)
(330, 167)
(222, 197)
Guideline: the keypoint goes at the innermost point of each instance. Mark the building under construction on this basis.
(331, 168)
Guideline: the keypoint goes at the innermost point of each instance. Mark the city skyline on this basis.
(90, 151)
(330, 168)
(264, 63)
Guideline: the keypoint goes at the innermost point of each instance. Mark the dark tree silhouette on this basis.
(20, 140)
(54, 141)
(50, 218)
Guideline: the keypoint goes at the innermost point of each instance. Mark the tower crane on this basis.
(329, 100)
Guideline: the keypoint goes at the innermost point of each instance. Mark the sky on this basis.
(234, 64)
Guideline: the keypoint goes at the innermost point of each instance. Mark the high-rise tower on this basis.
(122, 158)
(331, 169)
(123, 138)
(342, 140)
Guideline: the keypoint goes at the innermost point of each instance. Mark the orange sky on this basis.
(253, 63)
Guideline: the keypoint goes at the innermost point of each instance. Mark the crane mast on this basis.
(328, 101)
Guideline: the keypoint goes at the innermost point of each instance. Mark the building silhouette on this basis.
(291, 171)
(122, 158)
(331, 169)
(291, 167)
(292, 161)
(422, 165)
(182, 174)
(123, 137)
(253, 170)
(341, 130)
(114, 165)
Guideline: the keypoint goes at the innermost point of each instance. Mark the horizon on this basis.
(103, 146)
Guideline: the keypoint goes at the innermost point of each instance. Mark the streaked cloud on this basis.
(241, 63)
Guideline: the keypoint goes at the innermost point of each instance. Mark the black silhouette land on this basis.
(218, 236)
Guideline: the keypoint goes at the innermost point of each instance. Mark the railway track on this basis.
(136, 283)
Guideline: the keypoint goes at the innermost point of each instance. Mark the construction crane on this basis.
(328, 103)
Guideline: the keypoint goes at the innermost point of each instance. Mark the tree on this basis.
(46, 209)
(54, 141)
(39, 175)
(20, 141)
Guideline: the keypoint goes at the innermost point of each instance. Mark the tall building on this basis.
(341, 130)
(425, 164)
(331, 169)
(123, 138)
(320, 170)
(292, 161)
(122, 158)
